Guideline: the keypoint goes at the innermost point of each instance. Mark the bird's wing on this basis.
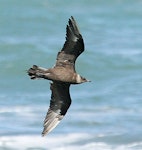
(73, 46)
(59, 104)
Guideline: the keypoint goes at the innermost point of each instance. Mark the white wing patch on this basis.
(51, 121)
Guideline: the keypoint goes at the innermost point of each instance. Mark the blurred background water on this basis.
(106, 113)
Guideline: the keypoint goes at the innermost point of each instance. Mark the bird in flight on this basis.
(62, 75)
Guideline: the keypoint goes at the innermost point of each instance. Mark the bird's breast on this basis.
(64, 75)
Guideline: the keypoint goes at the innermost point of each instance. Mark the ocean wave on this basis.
(81, 141)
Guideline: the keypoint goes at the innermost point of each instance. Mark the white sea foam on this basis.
(72, 141)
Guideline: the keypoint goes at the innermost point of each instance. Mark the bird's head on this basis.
(81, 79)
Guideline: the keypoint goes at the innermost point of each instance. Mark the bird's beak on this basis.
(88, 81)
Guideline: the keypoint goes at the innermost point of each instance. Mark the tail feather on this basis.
(36, 72)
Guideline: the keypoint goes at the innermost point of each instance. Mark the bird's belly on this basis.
(63, 75)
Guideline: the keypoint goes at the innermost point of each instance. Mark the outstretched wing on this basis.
(59, 104)
(73, 46)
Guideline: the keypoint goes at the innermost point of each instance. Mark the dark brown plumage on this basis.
(62, 75)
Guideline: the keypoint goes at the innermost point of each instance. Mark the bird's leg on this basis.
(36, 72)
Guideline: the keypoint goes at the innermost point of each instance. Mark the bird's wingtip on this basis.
(51, 121)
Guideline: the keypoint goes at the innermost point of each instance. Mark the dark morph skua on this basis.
(62, 75)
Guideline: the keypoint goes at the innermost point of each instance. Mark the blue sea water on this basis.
(105, 114)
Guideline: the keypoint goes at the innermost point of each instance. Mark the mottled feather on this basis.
(73, 46)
